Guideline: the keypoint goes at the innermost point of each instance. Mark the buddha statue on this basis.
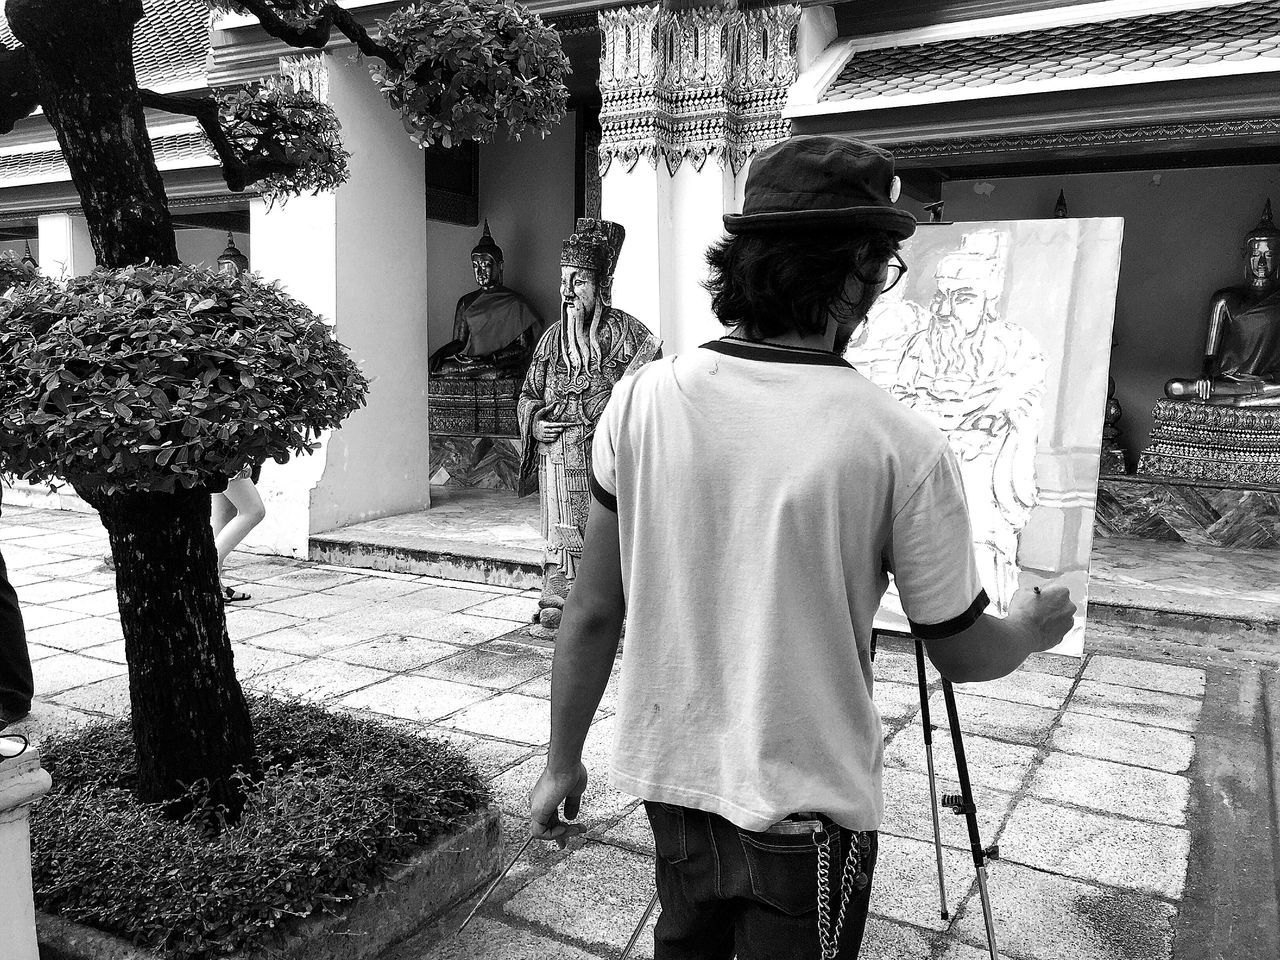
(574, 368)
(1224, 426)
(494, 328)
(1242, 351)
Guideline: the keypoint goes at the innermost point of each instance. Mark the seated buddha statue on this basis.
(1242, 351)
(495, 329)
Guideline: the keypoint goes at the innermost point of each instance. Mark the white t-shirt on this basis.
(763, 494)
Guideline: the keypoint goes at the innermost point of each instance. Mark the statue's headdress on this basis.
(1266, 229)
(595, 245)
(486, 246)
(981, 258)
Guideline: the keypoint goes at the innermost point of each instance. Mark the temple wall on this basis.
(203, 247)
(1182, 241)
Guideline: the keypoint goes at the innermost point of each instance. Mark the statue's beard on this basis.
(582, 334)
(947, 341)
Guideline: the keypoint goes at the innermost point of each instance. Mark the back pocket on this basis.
(668, 831)
(784, 869)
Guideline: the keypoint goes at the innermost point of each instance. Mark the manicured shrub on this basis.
(342, 802)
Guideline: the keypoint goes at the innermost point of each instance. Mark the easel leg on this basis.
(928, 759)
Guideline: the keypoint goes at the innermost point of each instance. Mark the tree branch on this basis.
(235, 171)
(19, 89)
(315, 32)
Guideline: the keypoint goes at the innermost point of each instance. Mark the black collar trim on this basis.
(775, 353)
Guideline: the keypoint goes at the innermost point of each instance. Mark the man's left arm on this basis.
(586, 646)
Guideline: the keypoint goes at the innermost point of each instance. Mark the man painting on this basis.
(574, 369)
(981, 379)
(751, 498)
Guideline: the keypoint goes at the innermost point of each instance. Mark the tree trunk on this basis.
(190, 720)
(82, 51)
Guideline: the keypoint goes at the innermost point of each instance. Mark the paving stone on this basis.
(895, 666)
(245, 623)
(67, 568)
(37, 652)
(1147, 857)
(251, 661)
(313, 606)
(260, 569)
(400, 615)
(1123, 742)
(53, 674)
(1022, 686)
(518, 608)
(48, 719)
(1000, 719)
(489, 940)
(453, 598)
(108, 697)
(595, 897)
(260, 594)
(56, 541)
(632, 832)
(311, 577)
(415, 698)
(1113, 788)
(23, 578)
(537, 687)
(907, 811)
(308, 638)
(13, 532)
(462, 628)
(1139, 706)
(507, 716)
(317, 679)
(886, 940)
(76, 634)
(1055, 663)
(537, 859)
(495, 664)
(378, 588)
(993, 764)
(1146, 675)
(48, 591)
(112, 651)
(905, 884)
(18, 557)
(36, 617)
(491, 757)
(896, 701)
(396, 653)
(1046, 917)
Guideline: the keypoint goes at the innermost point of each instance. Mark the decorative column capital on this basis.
(694, 83)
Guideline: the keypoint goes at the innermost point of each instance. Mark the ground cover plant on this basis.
(341, 801)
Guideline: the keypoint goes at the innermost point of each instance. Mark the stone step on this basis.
(450, 558)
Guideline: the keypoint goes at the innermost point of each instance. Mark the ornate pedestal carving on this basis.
(1200, 514)
(1218, 444)
(475, 439)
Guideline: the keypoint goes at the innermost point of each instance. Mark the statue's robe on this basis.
(485, 324)
(557, 390)
(998, 372)
(1250, 345)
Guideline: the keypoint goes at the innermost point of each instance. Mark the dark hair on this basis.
(772, 284)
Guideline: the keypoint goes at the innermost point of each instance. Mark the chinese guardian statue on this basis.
(573, 371)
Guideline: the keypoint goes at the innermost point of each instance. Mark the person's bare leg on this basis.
(249, 511)
(221, 512)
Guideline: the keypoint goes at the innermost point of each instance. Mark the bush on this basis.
(152, 378)
(472, 68)
(342, 802)
(15, 273)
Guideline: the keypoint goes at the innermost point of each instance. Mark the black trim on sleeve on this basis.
(958, 624)
(605, 498)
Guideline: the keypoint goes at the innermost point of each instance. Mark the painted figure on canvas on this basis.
(495, 329)
(981, 378)
(574, 368)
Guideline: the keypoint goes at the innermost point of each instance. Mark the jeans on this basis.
(15, 663)
(729, 892)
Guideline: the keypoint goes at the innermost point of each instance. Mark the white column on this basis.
(65, 248)
(22, 783)
(640, 200)
(357, 257)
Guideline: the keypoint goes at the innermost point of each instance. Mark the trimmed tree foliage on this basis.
(146, 387)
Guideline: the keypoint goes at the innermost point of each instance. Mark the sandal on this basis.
(232, 595)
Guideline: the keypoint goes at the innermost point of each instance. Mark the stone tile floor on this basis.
(1081, 767)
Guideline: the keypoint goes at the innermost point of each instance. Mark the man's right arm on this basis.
(992, 647)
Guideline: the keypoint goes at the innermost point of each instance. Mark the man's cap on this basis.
(821, 181)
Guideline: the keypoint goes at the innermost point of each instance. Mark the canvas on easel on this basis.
(1001, 334)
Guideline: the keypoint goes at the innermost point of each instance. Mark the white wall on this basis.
(1183, 239)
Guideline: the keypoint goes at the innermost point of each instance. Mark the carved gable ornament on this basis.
(694, 84)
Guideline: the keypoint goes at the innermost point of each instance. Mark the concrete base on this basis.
(438, 878)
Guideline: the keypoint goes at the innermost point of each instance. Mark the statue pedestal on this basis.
(475, 437)
(22, 782)
(1213, 444)
(1188, 511)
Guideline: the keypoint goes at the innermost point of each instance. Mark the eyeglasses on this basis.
(894, 269)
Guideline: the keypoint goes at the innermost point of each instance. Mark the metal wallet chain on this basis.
(850, 877)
